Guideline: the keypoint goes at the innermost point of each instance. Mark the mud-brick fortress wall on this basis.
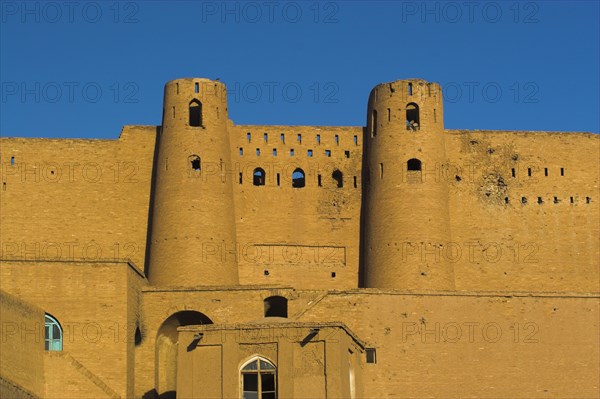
(310, 235)
(488, 210)
(70, 199)
(524, 210)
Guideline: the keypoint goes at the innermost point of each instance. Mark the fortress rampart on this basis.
(400, 203)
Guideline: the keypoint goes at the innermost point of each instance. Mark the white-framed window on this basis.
(258, 379)
(53, 334)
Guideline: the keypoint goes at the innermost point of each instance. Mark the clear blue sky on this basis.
(87, 69)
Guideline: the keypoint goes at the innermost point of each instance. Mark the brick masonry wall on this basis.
(21, 348)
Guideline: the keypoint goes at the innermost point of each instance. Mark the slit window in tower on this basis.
(389, 114)
(355, 140)
(258, 152)
(434, 116)
(241, 176)
(310, 153)
(298, 178)
(337, 139)
(318, 139)
(410, 89)
(319, 180)
(347, 154)
(196, 87)
(413, 165)
(327, 153)
(291, 152)
(173, 112)
(241, 151)
(381, 170)
(528, 171)
(278, 179)
(300, 138)
(545, 171)
(562, 171)
(266, 138)
(195, 109)
(355, 183)
(514, 172)
(274, 152)
(248, 136)
(259, 177)
(338, 177)
(177, 86)
(413, 121)
(282, 138)
(374, 123)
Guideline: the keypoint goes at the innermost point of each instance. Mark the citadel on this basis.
(205, 259)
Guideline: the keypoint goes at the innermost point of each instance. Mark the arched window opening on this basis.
(53, 334)
(338, 177)
(276, 306)
(413, 165)
(259, 177)
(195, 162)
(259, 379)
(195, 113)
(412, 117)
(374, 123)
(298, 178)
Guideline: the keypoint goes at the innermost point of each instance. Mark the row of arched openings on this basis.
(413, 119)
(298, 178)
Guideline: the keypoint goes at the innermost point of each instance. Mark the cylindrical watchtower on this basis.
(193, 222)
(406, 219)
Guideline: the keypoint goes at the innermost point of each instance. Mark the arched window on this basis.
(259, 379)
(195, 113)
(276, 306)
(338, 177)
(52, 334)
(412, 117)
(413, 165)
(194, 162)
(259, 177)
(298, 178)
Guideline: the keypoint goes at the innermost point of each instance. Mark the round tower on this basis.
(193, 225)
(406, 227)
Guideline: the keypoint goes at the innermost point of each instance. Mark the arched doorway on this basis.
(166, 350)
